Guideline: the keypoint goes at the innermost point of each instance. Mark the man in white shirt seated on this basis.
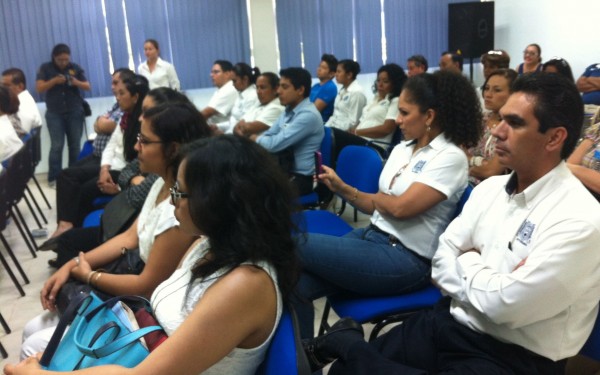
(29, 114)
(219, 107)
(519, 266)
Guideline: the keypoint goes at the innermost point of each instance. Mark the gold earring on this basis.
(428, 128)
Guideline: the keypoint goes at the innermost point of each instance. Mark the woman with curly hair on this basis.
(378, 120)
(419, 188)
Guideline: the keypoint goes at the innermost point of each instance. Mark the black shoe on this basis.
(315, 349)
(51, 244)
(53, 262)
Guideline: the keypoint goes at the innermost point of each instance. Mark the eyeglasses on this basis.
(215, 72)
(529, 53)
(143, 141)
(176, 195)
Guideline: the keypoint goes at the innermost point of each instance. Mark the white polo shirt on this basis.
(29, 114)
(376, 113)
(222, 101)
(441, 165)
(348, 107)
(266, 114)
(549, 304)
(10, 143)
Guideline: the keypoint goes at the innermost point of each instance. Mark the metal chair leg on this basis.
(37, 221)
(37, 206)
(12, 275)
(23, 234)
(12, 256)
(41, 192)
(3, 351)
(4, 325)
(27, 231)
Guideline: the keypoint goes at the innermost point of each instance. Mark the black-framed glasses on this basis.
(176, 195)
(143, 141)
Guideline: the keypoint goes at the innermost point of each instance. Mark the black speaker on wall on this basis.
(471, 28)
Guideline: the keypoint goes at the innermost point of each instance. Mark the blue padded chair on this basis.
(359, 167)
(285, 354)
(591, 349)
(382, 311)
(86, 149)
(93, 219)
(102, 200)
(312, 200)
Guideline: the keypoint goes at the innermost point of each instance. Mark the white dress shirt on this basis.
(534, 278)
(163, 75)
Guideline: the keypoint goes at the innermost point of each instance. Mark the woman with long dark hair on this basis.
(222, 306)
(74, 199)
(155, 232)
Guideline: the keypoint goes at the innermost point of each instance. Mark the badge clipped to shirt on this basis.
(418, 167)
(525, 232)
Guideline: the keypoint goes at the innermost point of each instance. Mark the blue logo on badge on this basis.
(419, 166)
(346, 98)
(525, 232)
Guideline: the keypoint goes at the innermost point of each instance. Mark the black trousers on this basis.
(75, 240)
(343, 139)
(76, 189)
(432, 342)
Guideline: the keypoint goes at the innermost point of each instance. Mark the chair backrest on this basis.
(285, 354)
(463, 199)
(36, 145)
(86, 149)
(3, 200)
(327, 147)
(360, 167)
(19, 171)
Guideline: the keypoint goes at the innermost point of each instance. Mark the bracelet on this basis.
(89, 276)
(355, 197)
(98, 275)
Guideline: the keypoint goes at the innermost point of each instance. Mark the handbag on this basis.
(129, 263)
(87, 110)
(118, 215)
(98, 336)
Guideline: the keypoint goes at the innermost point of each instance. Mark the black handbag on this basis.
(118, 215)
(129, 263)
(87, 110)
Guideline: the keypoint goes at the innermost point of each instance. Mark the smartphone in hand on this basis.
(318, 163)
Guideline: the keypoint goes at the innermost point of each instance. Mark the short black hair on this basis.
(227, 66)
(419, 60)
(330, 60)
(397, 77)
(561, 65)
(299, 77)
(456, 57)
(557, 104)
(272, 78)
(59, 49)
(350, 66)
(16, 76)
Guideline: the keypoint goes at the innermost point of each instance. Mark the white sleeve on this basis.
(270, 114)
(110, 149)
(173, 79)
(392, 112)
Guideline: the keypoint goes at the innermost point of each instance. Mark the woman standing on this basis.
(483, 162)
(60, 79)
(532, 57)
(419, 188)
(158, 72)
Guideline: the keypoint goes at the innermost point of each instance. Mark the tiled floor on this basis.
(17, 310)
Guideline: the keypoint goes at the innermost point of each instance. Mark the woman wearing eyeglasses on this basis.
(74, 197)
(532, 60)
(419, 188)
(155, 232)
(221, 307)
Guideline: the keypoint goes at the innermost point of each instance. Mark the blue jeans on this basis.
(61, 124)
(361, 262)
